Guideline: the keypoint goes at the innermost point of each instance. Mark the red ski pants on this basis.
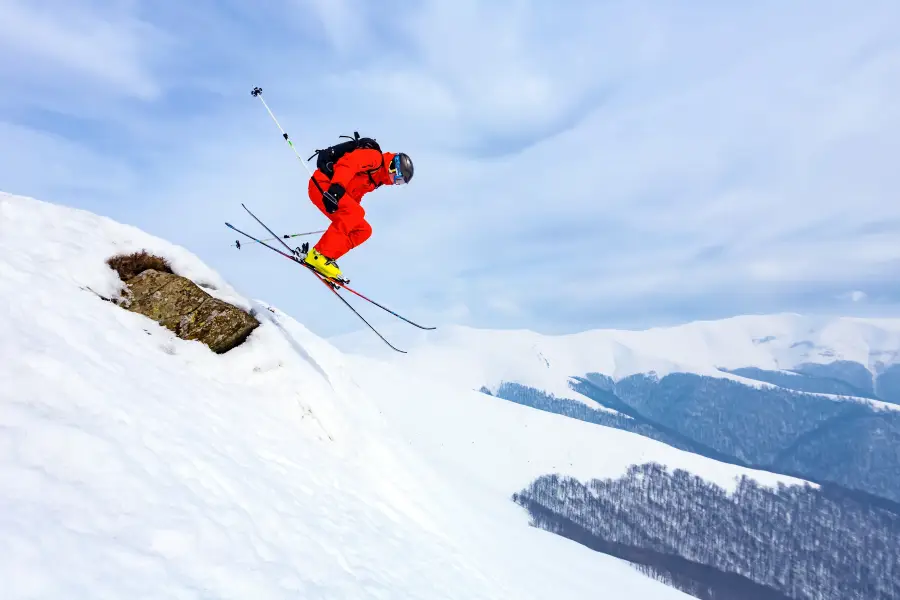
(348, 227)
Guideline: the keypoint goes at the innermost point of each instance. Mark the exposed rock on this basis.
(183, 307)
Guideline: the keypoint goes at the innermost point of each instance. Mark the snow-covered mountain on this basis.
(136, 464)
(813, 397)
(476, 357)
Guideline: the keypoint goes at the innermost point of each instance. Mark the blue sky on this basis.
(578, 164)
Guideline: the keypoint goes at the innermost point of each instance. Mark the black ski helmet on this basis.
(402, 168)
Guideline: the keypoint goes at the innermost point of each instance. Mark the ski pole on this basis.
(293, 235)
(237, 243)
(257, 93)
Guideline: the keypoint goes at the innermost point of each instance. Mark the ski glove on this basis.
(331, 198)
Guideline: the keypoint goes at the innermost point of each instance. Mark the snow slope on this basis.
(474, 358)
(137, 465)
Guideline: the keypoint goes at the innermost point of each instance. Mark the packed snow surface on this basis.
(137, 465)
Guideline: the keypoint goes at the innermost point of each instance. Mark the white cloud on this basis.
(344, 22)
(48, 166)
(855, 296)
(49, 44)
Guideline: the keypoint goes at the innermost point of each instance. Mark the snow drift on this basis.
(135, 464)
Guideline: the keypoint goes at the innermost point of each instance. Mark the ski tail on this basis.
(258, 241)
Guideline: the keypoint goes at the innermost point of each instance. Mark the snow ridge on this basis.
(478, 357)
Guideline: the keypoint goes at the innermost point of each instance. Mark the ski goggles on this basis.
(394, 170)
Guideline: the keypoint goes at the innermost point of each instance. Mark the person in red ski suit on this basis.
(356, 173)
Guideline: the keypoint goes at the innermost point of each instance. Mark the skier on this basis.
(346, 172)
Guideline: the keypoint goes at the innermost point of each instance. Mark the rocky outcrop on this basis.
(183, 307)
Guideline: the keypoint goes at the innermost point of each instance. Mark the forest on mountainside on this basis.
(796, 542)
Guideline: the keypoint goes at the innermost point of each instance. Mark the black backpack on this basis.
(329, 156)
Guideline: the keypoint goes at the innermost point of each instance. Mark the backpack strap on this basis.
(368, 143)
(328, 157)
(375, 170)
(316, 153)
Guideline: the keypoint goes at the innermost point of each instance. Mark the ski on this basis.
(332, 284)
(339, 282)
(328, 283)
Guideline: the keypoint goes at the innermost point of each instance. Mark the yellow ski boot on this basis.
(323, 264)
